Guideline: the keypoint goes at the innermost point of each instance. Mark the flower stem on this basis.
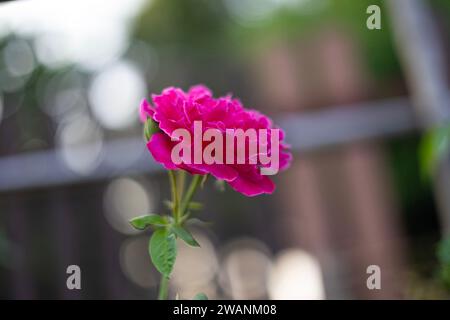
(181, 179)
(196, 181)
(175, 192)
(163, 288)
(178, 210)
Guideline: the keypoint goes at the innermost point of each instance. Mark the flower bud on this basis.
(150, 127)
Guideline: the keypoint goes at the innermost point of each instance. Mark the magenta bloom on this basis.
(174, 109)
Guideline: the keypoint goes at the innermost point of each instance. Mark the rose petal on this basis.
(160, 146)
(252, 183)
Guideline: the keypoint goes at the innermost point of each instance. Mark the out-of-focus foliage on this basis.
(290, 22)
(188, 23)
(442, 6)
(406, 172)
(434, 148)
(195, 29)
(435, 145)
(444, 259)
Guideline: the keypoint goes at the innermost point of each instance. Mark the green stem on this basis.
(174, 191)
(196, 181)
(163, 288)
(181, 179)
(178, 212)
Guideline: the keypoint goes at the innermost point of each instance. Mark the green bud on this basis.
(150, 128)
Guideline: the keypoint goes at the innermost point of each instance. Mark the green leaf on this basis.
(201, 296)
(143, 222)
(185, 235)
(163, 251)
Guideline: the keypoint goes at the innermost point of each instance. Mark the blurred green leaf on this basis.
(444, 251)
(163, 251)
(145, 221)
(443, 254)
(185, 235)
(435, 145)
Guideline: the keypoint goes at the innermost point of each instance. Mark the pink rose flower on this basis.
(174, 109)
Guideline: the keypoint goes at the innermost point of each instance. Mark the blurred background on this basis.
(354, 103)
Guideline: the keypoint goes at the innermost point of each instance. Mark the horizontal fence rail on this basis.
(304, 132)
